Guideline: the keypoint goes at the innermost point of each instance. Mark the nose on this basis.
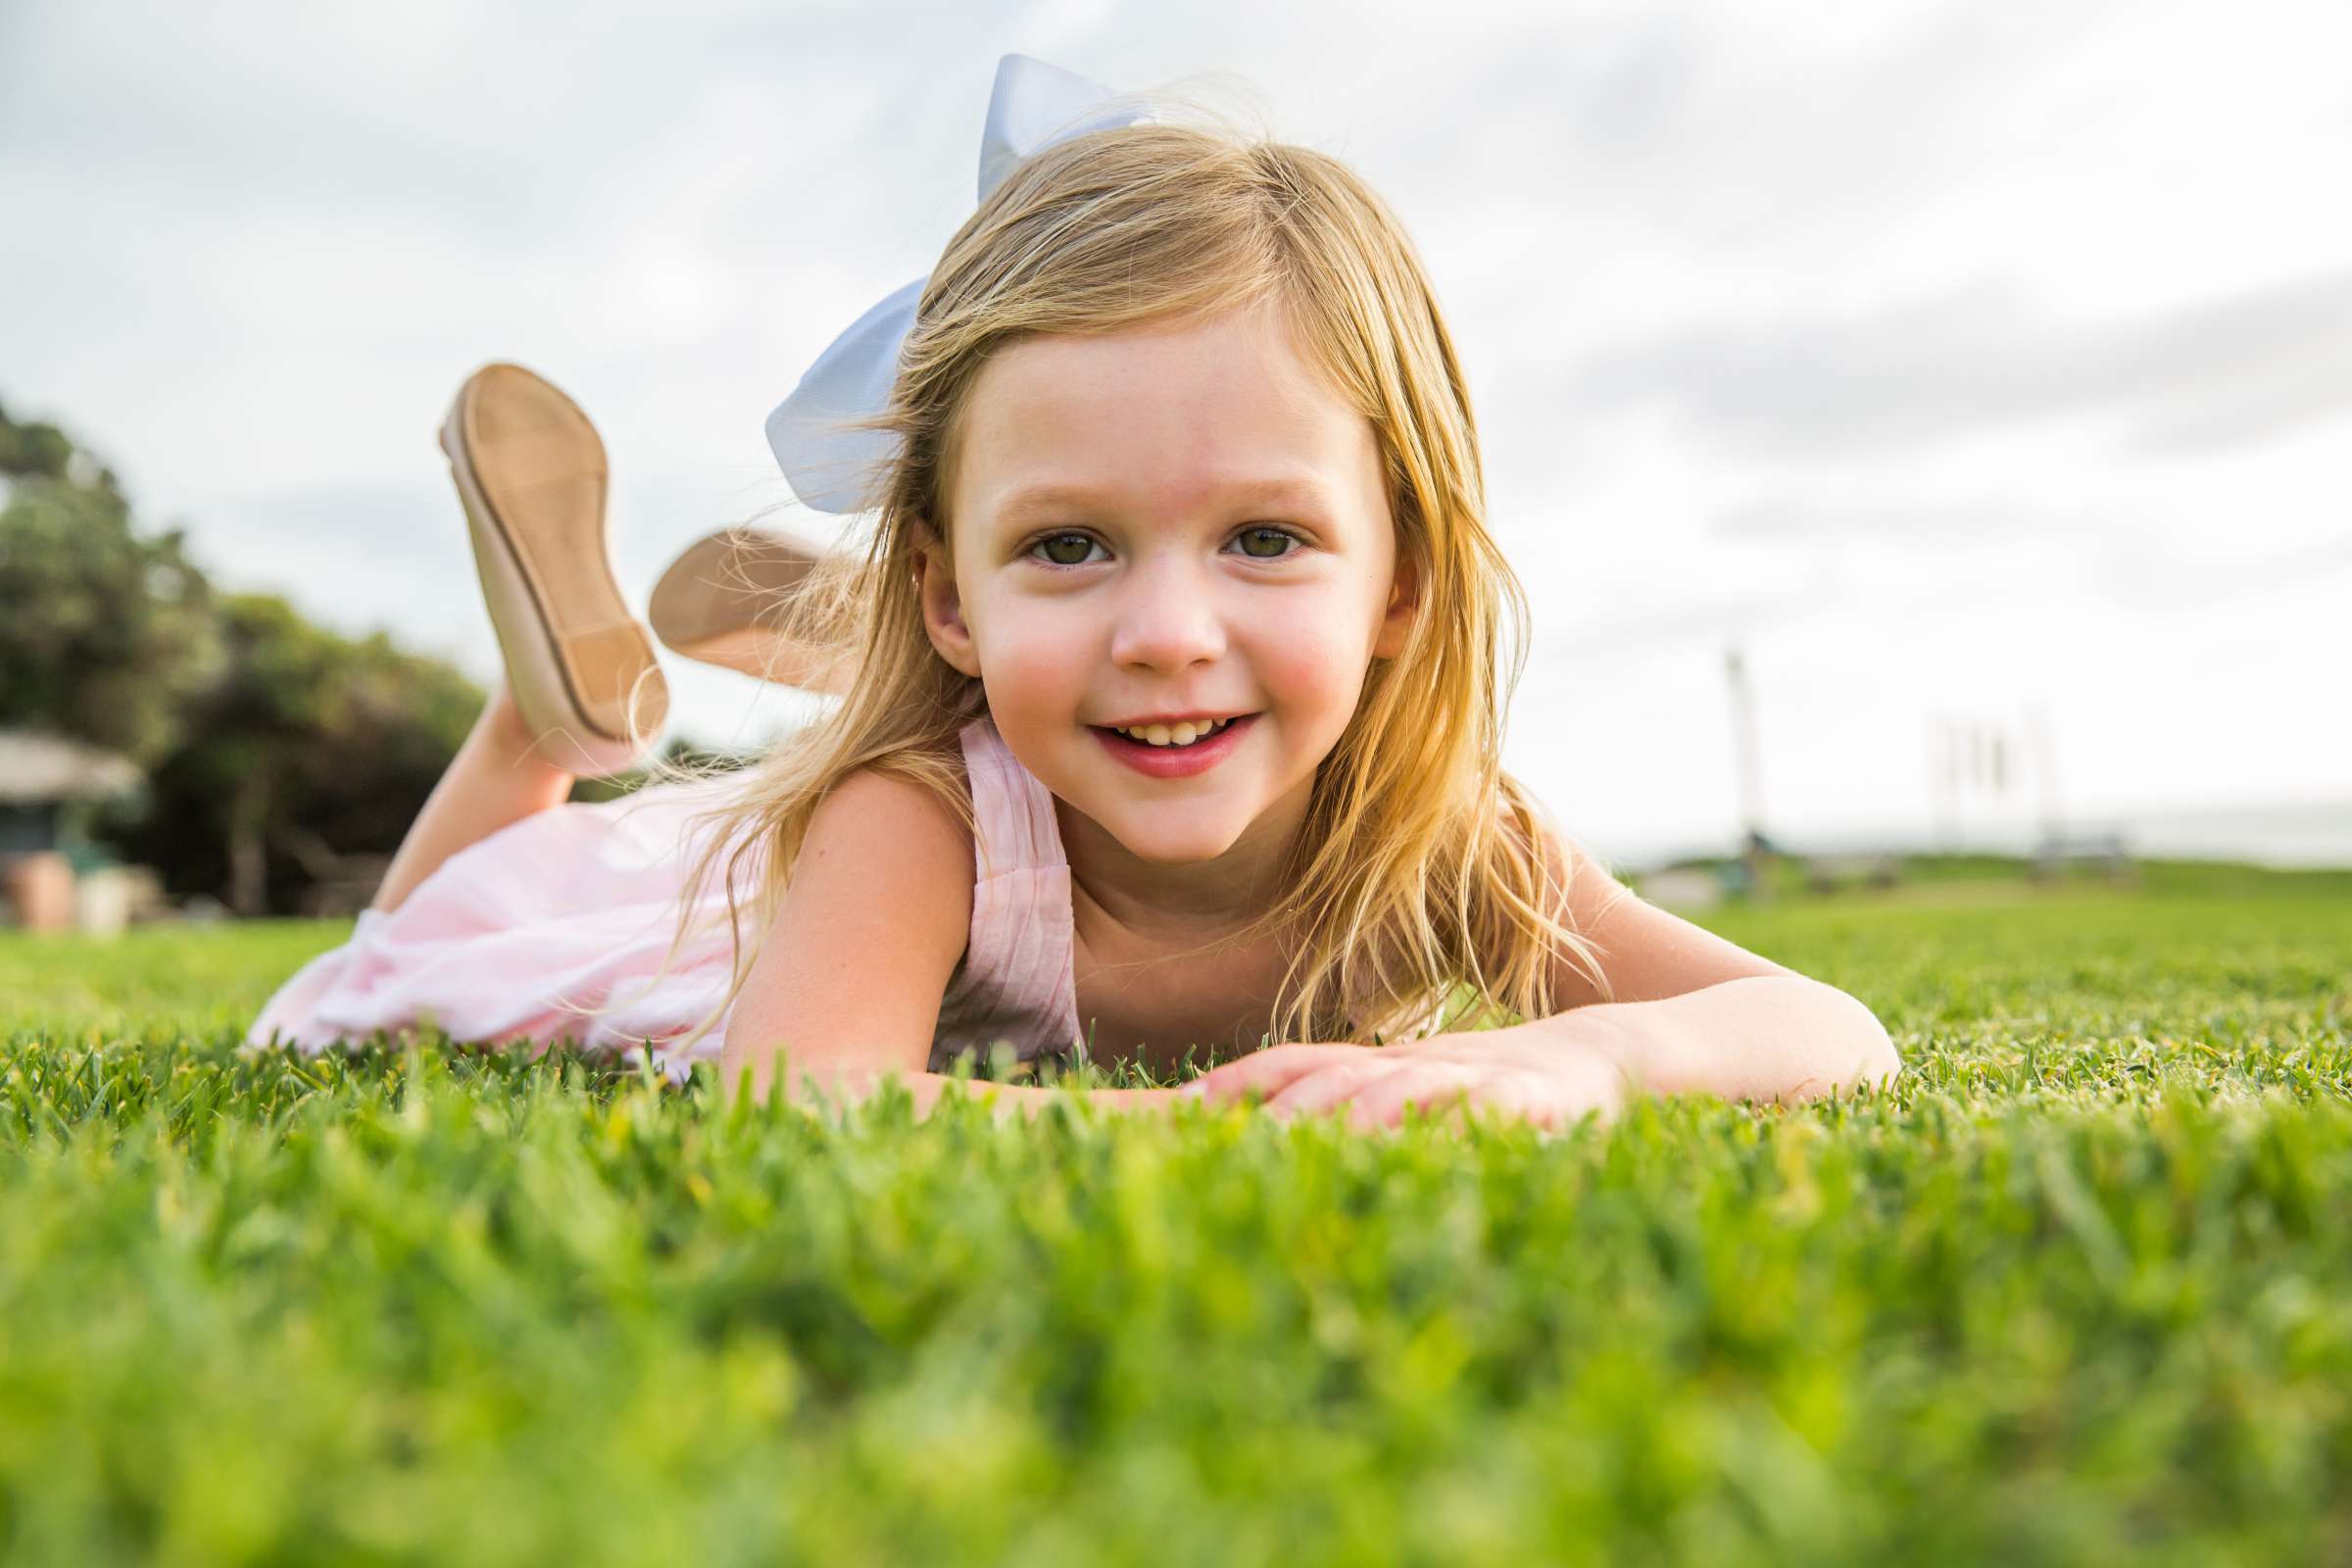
(1167, 620)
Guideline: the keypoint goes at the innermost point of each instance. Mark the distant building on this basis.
(1681, 887)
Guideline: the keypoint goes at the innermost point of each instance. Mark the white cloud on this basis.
(1944, 356)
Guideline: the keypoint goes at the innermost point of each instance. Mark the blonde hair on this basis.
(1421, 866)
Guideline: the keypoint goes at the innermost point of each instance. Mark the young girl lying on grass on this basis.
(1172, 677)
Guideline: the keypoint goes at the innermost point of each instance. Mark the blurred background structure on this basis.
(1973, 383)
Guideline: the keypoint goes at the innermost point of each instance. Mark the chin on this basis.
(1165, 843)
(1171, 850)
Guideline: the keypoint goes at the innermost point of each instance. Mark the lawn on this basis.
(2080, 1287)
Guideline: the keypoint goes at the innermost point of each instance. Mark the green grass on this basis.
(2080, 1287)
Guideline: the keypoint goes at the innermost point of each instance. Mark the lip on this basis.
(1175, 762)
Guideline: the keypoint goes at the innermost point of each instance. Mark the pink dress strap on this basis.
(1017, 981)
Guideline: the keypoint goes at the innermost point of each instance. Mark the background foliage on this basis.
(274, 747)
(108, 634)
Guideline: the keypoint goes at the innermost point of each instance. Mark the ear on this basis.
(943, 606)
(1405, 606)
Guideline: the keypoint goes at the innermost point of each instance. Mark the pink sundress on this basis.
(556, 927)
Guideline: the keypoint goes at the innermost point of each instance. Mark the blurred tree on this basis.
(310, 746)
(107, 635)
(273, 748)
(37, 451)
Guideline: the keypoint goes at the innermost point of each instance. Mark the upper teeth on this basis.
(1174, 734)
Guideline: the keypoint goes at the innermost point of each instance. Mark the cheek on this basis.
(1313, 662)
(1034, 666)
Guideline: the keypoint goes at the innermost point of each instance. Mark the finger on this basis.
(1334, 1083)
(1265, 1071)
(1432, 1085)
(1533, 1099)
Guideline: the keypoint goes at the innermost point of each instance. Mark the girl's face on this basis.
(1174, 522)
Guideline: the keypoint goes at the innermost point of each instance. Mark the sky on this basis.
(1979, 363)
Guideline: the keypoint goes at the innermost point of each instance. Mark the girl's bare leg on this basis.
(496, 778)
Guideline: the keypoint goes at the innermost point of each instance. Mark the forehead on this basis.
(1163, 418)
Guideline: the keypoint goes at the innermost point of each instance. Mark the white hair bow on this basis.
(1033, 106)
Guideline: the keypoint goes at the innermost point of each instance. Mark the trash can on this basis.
(40, 885)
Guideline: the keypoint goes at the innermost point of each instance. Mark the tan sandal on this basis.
(530, 470)
(723, 601)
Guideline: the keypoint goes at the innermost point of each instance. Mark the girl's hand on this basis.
(1553, 1076)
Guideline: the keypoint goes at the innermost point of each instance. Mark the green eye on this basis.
(1275, 536)
(1066, 548)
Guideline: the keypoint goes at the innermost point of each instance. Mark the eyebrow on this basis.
(1046, 495)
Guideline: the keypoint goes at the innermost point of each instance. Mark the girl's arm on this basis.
(849, 978)
(1690, 1012)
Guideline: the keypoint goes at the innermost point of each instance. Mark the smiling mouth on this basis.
(1210, 744)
